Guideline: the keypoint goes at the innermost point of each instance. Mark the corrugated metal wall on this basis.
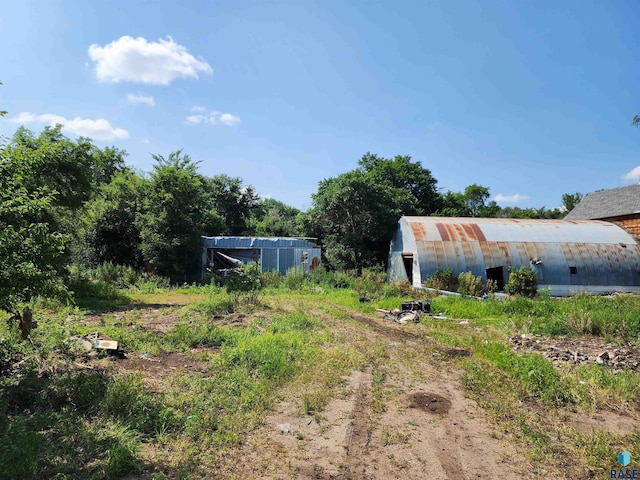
(567, 255)
(275, 254)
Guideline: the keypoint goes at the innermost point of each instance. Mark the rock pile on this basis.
(580, 351)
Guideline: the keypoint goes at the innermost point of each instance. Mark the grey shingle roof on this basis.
(607, 203)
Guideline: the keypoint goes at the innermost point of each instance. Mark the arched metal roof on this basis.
(567, 255)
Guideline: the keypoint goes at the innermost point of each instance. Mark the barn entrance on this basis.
(497, 275)
(407, 260)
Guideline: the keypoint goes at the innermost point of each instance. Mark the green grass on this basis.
(58, 421)
(617, 316)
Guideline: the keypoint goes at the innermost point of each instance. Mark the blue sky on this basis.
(531, 99)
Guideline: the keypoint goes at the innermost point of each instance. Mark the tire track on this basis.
(358, 434)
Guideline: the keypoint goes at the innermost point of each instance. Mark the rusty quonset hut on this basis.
(568, 256)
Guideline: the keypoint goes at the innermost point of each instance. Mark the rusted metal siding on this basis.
(567, 255)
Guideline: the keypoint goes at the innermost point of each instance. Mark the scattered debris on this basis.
(411, 312)
(398, 316)
(97, 340)
(416, 306)
(580, 351)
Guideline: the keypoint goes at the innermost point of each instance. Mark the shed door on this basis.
(407, 260)
(496, 274)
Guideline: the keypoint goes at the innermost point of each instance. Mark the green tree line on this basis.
(65, 202)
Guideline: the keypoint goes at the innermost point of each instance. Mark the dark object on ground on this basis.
(416, 306)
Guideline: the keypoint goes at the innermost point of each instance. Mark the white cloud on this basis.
(229, 120)
(510, 198)
(197, 118)
(632, 175)
(99, 129)
(131, 59)
(140, 98)
(212, 118)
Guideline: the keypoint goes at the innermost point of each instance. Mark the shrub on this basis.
(294, 279)
(247, 282)
(491, 286)
(271, 279)
(320, 276)
(371, 283)
(522, 282)
(469, 284)
(442, 280)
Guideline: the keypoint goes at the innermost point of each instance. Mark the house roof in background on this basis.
(607, 203)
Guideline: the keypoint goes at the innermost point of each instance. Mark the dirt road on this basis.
(414, 423)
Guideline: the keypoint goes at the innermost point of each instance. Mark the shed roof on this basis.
(472, 229)
(607, 203)
(256, 242)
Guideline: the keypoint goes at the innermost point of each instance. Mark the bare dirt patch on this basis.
(162, 365)
(613, 422)
(456, 352)
(429, 402)
(410, 437)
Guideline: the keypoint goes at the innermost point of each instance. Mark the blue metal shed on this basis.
(568, 256)
(273, 253)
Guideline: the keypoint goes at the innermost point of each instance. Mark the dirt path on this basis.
(416, 423)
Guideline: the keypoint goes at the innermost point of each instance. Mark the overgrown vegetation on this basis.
(522, 281)
(101, 423)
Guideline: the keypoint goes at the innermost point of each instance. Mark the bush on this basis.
(371, 283)
(246, 283)
(294, 279)
(442, 280)
(120, 276)
(522, 282)
(271, 279)
(320, 276)
(469, 284)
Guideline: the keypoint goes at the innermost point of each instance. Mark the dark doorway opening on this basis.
(497, 275)
(407, 259)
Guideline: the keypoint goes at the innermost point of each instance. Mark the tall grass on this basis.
(617, 316)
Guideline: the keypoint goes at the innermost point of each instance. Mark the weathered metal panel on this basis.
(269, 259)
(287, 259)
(600, 254)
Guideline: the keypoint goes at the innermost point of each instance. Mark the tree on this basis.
(233, 201)
(570, 200)
(470, 203)
(111, 232)
(475, 197)
(355, 214)
(177, 212)
(272, 218)
(31, 253)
